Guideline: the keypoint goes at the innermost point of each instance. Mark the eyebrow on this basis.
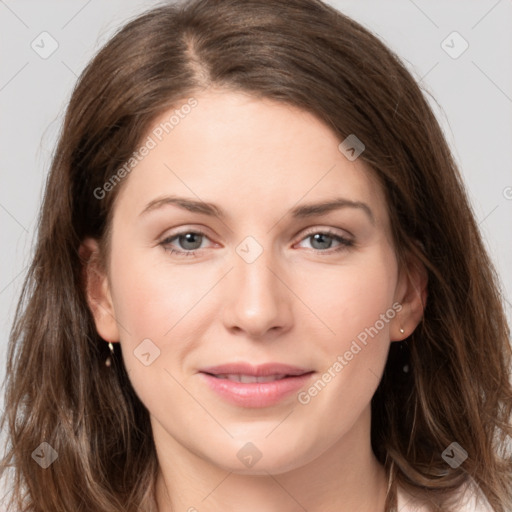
(299, 212)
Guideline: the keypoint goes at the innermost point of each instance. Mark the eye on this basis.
(322, 240)
(190, 241)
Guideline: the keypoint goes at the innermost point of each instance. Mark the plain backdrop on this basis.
(472, 91)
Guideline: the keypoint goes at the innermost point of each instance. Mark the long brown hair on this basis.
(307, 54)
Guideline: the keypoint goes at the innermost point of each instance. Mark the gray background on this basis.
(473, 102)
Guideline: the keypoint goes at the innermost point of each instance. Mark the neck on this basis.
(346, 477)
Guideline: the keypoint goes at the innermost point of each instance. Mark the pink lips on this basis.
(246, 385)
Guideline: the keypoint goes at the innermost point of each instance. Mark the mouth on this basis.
(249, 379)
(245, 385)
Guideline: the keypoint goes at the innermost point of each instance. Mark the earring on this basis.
(108, 361)
(405, 368)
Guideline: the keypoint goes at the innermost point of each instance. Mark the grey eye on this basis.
(190, 241)
(323, 240)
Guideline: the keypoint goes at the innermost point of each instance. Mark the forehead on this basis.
(247, 154)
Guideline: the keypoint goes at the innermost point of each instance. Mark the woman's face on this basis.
(299, 302)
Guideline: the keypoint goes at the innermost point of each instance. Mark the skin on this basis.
(299, 303)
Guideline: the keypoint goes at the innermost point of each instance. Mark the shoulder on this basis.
(468, 498)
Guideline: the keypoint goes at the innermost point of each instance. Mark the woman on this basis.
(256, 369)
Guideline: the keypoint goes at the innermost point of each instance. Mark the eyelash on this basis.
(344, 242)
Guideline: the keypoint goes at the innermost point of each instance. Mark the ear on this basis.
(411, 293)
(97, 290)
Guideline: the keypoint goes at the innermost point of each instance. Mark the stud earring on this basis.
(401, 330)
(108, 361)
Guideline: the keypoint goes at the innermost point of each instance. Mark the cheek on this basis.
(371, 295)
(350, 299)
(162, 312)
(151, 301)
(358, 306)
(151, 297)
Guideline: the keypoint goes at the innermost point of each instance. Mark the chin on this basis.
(263, 458)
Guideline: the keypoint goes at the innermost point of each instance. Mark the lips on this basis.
(245, 385)
(249, 379)
(262, 370)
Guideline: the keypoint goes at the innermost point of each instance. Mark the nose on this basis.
(257, 301)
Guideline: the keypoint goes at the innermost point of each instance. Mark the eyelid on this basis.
(328, 231)
(173, 233)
